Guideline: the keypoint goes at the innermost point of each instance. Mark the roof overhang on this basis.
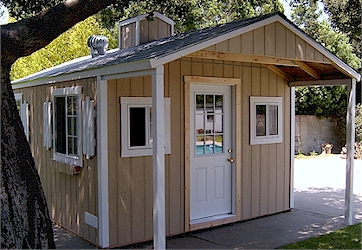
(285, 67)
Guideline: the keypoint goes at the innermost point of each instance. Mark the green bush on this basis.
(359, 123)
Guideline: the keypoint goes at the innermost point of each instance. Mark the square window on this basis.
(265, 120)
(136, 126)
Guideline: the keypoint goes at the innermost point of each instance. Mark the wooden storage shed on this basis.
(185, 132)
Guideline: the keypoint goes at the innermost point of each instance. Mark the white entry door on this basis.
(210, 152)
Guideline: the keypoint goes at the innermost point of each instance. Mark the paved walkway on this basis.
(319, 207)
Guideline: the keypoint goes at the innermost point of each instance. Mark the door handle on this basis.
(230, 159)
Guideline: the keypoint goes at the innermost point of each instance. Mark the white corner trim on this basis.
(102, 154)
(292, 144)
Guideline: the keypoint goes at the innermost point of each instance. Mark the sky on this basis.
(4, 18)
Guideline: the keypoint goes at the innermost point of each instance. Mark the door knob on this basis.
(230, 159)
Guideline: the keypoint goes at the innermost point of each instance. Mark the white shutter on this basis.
(88, 115)
(24, 115)
(47, 134)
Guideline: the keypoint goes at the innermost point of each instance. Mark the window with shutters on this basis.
(23, 109)
(67, 125)
(266, 120)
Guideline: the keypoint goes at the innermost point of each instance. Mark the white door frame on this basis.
(236, 140)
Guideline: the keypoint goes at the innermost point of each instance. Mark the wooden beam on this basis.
(332, 82)
(308, 69)
(243, 58)
(280, 72)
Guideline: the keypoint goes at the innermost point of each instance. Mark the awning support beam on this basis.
(351, 110)
(158, 134)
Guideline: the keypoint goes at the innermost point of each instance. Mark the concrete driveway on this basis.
(319, 185)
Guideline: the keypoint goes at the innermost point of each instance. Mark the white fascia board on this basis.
(109, 70)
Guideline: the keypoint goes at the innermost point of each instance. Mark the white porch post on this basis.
(292, 144)
(158, 134)
(351, 109)
(102, 153)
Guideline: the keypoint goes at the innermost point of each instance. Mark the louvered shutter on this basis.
(24, 115)
(47, 133)
(88, 115)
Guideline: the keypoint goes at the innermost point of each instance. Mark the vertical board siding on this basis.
(68, 196)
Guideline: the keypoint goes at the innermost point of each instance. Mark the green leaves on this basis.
(70, 45)
(321, 101)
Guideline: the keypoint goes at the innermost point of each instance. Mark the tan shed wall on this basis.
(265, 173)
(68, 196)
(271, 40)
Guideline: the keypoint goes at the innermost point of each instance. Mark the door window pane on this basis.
(210, 103)
(208, 124)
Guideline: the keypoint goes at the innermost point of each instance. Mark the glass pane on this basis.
(199, 124)
(75, 146)
(70, 145)
(69, 105)
(273, 120)
(218, 124)
(219, 144)
(260, 120)
(210, 103)
(199, 104)
(75, 126)
(60, 125)
(137, 126)
(150, 128)
(74, 102)
(200, 145)
(70, 126)
(209, 124)
(219, 104)
(209, 144)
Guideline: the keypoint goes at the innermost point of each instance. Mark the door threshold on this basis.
(212, 221)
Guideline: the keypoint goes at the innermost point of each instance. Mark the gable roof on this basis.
(165, 50)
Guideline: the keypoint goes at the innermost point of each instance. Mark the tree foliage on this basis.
(193, 14)
(345, 15)
(69, 45)
(322, 101)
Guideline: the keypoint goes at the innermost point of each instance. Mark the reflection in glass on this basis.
(199, 124)
(218, 123)
(209, 124)
(273, 120)
(219, 144)
(210, 103)
(260, 120)
(200, 141)
(199, 104)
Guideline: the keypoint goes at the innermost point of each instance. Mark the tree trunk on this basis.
(25, 220)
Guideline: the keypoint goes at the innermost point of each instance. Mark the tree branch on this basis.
(29, 35)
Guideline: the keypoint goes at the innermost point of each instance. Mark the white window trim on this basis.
(127, 102)
(268, 139)
(75, 161)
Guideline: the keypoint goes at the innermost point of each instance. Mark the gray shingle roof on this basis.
(152, 50)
